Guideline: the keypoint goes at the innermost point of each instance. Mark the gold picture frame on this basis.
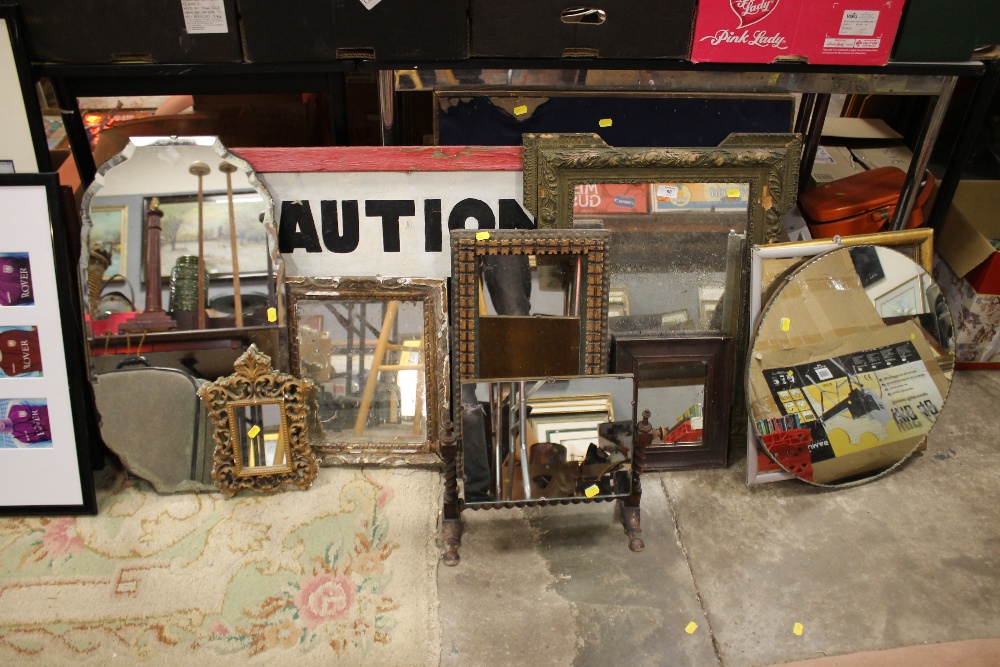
(241, 459)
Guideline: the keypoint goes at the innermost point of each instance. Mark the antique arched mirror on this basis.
(850, 366)
(260, 427)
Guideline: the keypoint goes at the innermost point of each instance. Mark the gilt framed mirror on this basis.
(260, 419)
(377, 352)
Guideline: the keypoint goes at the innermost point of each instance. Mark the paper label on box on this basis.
(370, 3)
(859, 22)
(666, 191)
(823, 156)
(203, 17)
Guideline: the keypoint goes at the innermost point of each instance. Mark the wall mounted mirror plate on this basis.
(539, 297)
(850, 366)
(260, 419)
(548, 439)
(377, 352)
(770, 265)
(686, 382)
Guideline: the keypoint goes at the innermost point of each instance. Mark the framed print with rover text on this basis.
(44, 451)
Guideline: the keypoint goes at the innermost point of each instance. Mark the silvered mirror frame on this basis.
(555, 164)
(431, 294)
(146, 143)
(254, 382)
(469, 247)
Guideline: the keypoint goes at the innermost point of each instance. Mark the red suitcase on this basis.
(861, 203)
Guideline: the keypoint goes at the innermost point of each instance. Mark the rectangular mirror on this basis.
(529, 303)
(686, 384)
(377, 352)
(261, 427)
(669, 264)
(543, 438)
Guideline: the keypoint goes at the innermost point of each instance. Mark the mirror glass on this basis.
(545, 438)
(259, 428)
(670, 261)
(850, 366)
(366, 357)
(529, 303)
(145, 200)
(675, 392)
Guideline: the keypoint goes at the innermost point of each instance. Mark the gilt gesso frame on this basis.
(431, 294)
(554, 164)
(468, 247)
(255, 382)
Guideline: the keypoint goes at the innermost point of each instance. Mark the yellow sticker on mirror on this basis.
(786, 324)
(797, 629)
(733, 192)
(272, 314)
(520, 110)
(254, 431)
(691, 627)
(591, 491)
(482, 236)
(604, 122)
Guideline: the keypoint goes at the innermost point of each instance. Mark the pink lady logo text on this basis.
(759, 38)
(751, 11)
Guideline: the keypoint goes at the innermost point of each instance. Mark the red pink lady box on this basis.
(831, 32)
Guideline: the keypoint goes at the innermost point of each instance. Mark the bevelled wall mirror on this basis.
(177, 237)
(179, 265)
(850, 366)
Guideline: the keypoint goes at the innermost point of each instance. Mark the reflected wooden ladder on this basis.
(383, 346)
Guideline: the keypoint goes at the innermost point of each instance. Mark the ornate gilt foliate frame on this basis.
(555, 164)
(255, 382)
(432, 294)
(468, 245)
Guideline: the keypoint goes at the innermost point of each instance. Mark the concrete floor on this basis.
(908, 559)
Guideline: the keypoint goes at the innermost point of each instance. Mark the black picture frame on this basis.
(635, 354)
(11, 17)
(51, 468)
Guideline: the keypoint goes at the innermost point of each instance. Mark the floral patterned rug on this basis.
(342, 572)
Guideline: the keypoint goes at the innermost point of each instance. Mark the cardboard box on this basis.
(969, 227)
(323, 30)
(102, 31)
(679, 197)
(818, 32)
(928, 34)
(556, 29)
(833, 161)
(594, 198)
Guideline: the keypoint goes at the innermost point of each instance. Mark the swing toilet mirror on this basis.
(851, 366)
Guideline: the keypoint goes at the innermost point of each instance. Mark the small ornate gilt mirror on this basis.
(260, 427)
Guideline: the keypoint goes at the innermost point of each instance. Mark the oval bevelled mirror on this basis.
(850, 366)
(185, 215)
